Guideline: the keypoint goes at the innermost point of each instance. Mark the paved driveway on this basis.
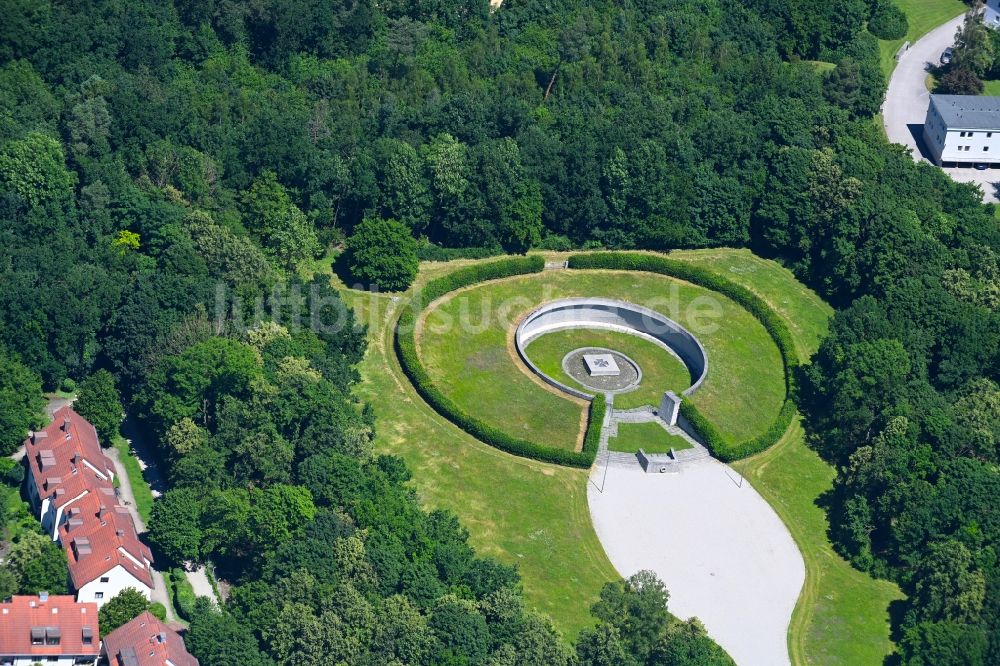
(721, 550)
(907, 98)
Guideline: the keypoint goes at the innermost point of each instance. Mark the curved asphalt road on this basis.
(907, 98)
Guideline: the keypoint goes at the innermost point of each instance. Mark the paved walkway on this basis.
(199, 582)
(160, 592)
(645, 414)
(143, 453)
(907, 98)
(722, 552)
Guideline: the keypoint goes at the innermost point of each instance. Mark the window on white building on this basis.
(985, 148)
(989, 135)
(98, 595)
(104, 579)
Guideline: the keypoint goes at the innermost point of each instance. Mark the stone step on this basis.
(692, 454)
(618, 458)
(634, 417)
(645, 409)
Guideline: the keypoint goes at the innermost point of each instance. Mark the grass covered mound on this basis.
(650, 437)
(470, 420)
(536, 515)
(661, 370)
(465, 347)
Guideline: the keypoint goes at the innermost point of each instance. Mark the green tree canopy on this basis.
(383, 253)
(98, 401)
(21, 401)
(120, 609)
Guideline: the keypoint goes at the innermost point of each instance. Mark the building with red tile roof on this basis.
(48, 629)
(145, 641)
(65, 463)
(103, 550)
(71, 487)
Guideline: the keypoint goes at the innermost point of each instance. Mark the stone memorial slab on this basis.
(601, 365)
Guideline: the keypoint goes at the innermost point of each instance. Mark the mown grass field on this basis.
(650, 437)
(991, 88)
(842, 614)
(536, 515)
(522, 512)
(465, 344)
(661, 371)
(923, 16)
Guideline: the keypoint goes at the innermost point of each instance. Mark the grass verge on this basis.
(842, 613)
(141, 490)
(520, 511)
(923, 16)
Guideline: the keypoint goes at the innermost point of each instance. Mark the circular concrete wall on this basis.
(612, 315)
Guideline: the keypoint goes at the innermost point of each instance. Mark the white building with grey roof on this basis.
(991, 13)
(963, 129)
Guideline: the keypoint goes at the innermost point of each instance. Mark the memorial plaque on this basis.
(601, 365)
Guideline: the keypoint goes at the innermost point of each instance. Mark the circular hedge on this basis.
(406, 350)
(754, 304)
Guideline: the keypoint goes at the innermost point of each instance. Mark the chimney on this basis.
(81, 547)
(103, 511)
(39, 437)
(46, 459)
(65, 426)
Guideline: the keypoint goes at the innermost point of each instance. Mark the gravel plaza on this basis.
(722, 552)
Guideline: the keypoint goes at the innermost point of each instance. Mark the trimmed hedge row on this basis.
(772, 322)
(184, 597)
(595, 421)
(406, 351)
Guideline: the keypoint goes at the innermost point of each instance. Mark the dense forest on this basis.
(154, 155)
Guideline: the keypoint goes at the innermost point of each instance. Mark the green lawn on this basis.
(520, 511)
(143, 495)
(923, 16)
(991, 88)
(841, 616)
(822, 66)
(661, 370)
(536, 515)
(466, 346)
(650, 437)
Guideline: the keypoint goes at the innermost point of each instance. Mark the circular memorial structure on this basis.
(613, 315)
(498, 348)
(601, 369)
